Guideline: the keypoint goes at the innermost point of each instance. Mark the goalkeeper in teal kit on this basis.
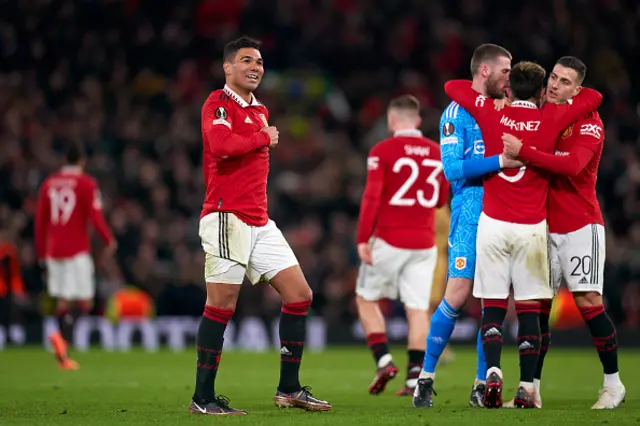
(462, 149)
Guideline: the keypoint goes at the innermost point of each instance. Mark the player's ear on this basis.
(484, 70)
(418, 122)
(577, 90)
(226, 66)
(391, 120)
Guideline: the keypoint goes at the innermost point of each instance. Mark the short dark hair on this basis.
(575, 64)
(406, 103)
(75, 154)
(487, 52)
(527, 80)
(231, 48)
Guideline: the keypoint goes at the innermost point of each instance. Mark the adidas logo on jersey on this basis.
(583, 281)
(248, 120)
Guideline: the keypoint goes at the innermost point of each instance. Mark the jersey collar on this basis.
(524, 104)
(233, 95)
(408, 132)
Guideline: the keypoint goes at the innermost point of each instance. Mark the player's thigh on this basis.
(371, 285)
(270, 253)
(57, 275)
(530, 264)
(82, 277)
(492, 279)
(226, 241)
(462, 251)
(379, 280)
(556, 242)
(224, 236)
(583, 257)
(416, 279)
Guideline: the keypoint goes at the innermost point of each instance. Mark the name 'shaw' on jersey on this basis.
(405, 183)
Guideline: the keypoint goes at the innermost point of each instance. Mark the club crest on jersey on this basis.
(567, 132)
(461, 263)
(448, 129)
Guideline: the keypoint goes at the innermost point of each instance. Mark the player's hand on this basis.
(507, 162)
(511, 144)
(364, 252)
(273, 133)
(110, 250)
(499, 104)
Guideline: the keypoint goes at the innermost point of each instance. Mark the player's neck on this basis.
(246, 95)
(406, 131)
(72, 168)
(479, 86)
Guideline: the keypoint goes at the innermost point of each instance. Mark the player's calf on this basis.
(414, 366)
(296, 302)
(493, 316)
(604, 336)
(218, 311)
(528, 341)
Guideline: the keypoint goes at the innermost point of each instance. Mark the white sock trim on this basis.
(612, 380)
(384, 360)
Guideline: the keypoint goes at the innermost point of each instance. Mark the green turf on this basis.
(139, 388)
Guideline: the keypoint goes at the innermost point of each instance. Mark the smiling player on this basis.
(239, 238)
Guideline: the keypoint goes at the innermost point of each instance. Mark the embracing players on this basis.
(396, 237)
(512, 231)
(576, 227)
(239, 238)
(464, 165)
(68, 201)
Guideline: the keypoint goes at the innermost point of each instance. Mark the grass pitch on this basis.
(138, 388)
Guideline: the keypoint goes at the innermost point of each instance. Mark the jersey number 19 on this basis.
(63, 201)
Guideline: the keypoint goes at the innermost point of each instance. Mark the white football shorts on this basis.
(234, 249)
(511, 254)
(71, 278)
(577, 258)
(406, 273)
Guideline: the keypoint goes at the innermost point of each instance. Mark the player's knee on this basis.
(223, 296)
(63, 305)
(587, 299)
(528, 306)
(458, 292)
(302, 293)
(292, 286)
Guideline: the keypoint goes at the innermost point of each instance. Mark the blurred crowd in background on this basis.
(127, 78)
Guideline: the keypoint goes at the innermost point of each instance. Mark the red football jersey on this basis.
(519, 196)
(405, 183)
(236, 156)
(572, 202)
(67, 202)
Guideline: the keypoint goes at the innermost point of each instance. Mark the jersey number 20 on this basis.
(63, 201)
(399, 199)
